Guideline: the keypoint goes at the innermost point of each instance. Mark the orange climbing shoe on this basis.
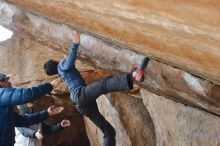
(139, 70)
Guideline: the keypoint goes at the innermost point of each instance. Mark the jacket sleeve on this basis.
(24, 120)
(17, 96)
(68, 62)
(46, 129)
(27, 132)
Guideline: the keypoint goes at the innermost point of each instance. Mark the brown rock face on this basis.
(177, 124)
(126, 107)
(183, 34)
(161, 78)
(115, 36)
(122, 112)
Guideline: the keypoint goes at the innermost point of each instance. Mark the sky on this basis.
(5, 33)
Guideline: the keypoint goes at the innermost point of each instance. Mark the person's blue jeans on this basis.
(86, 102)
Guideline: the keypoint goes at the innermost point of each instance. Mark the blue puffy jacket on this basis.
(9, 119)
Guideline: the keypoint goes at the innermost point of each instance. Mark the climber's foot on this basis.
(138, 73)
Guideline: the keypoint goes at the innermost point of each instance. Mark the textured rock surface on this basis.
(183, 34)
(133, 125)
(113, 117)
(160, 78)
(115, 37)
(180, 125)
(134, 118)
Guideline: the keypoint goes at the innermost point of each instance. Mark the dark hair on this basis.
(50, 67)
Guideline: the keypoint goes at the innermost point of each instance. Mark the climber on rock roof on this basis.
(84, 96)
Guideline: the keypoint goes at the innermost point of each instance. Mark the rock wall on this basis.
(175, 106)
(184, 34)
(177, 124)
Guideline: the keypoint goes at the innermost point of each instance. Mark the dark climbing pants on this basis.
(86, 102)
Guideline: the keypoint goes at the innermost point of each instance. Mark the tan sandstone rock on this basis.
(184, 34)
(180, 125)
(116, 35)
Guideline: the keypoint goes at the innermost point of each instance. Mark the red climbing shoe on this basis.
(139, 70)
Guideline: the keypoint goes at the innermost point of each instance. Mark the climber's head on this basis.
(50, 67)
